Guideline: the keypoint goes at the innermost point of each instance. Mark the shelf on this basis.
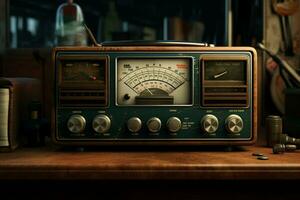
(52, 163)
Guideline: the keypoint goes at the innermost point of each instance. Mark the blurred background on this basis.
(32, 23)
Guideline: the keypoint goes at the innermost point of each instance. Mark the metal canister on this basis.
(273, 129)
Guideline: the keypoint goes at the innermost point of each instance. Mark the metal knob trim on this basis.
(234, 124)
(154, 124)
(76, 124)
(101, 123)
(174, 124)
(134, 124)
(210, 123)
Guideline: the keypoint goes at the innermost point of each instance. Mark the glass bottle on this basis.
(69, 26)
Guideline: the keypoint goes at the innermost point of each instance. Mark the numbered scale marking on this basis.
(154, 81)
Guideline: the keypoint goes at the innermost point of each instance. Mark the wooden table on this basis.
(153, 173)
(51, 163)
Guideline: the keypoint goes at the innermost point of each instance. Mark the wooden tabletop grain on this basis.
(144, 164)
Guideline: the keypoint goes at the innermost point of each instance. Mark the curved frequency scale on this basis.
(152, 79)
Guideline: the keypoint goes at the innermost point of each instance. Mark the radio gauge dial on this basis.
(101, 123)
(76, 124)
(174, 124)
(234, 124)
(154, 124)
(210, 123)
(134, 124)
(154, 81)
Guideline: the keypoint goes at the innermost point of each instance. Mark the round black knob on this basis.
(126, 97)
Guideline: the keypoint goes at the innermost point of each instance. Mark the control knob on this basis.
(76, 123)
(173, 124)
(154, 124)
(101, 123)
(134, 124)
(234, 124)
(210, 123)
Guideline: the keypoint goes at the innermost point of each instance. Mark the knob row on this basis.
(134, 124)
(210, 124)
(76, 123)
(234, 124)
(102, 123)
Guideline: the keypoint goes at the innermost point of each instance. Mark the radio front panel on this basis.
(157, 97)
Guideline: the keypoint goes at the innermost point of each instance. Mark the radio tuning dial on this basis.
(154, 124)
(173, 124)
(76, 123)
(210, 123)
(101, 123)
(134, 124)
(234, 124)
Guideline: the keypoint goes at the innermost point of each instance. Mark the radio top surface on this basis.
(155, 95)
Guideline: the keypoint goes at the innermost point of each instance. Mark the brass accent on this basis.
(234, 124)
(76, 124)
(174, 124)
(154, 124)
(134, 124)
(34, 114)
(210, 123)
(101, 123)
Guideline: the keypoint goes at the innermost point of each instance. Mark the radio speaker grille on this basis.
(225, 96)
(84, 98)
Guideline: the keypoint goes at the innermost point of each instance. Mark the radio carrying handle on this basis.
(143, 42)
(154, 43)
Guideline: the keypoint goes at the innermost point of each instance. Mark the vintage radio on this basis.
(155, 93)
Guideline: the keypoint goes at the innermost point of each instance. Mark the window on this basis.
(33, 23)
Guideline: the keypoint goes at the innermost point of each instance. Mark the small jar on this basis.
(273, 129)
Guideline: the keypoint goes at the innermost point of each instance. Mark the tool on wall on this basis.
(284, 9)
(288, 73)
